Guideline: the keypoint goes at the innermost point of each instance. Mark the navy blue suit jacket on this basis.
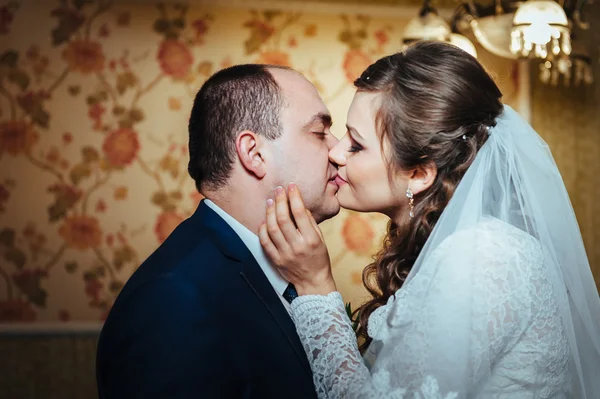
(199, 319)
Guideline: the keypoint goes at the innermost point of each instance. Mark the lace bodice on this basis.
(478, 320)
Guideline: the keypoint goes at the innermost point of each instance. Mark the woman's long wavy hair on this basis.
(437, 104)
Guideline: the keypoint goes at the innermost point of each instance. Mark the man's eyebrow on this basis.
(354, 132)
(321, 117)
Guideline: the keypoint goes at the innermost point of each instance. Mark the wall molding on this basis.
(40, 329)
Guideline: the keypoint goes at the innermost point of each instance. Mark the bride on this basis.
(482, 288)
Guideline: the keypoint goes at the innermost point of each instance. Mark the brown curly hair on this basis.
(438, 102)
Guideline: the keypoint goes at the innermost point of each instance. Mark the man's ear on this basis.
(248, 146)
(422, 177)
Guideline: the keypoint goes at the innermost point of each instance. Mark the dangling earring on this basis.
(411, 202)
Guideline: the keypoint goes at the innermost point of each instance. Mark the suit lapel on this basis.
(233, 247)
(258, 282)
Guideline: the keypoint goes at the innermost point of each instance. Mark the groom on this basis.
(206, 315)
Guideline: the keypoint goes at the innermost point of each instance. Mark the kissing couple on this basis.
(482, 287)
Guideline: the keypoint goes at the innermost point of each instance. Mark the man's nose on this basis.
(332, 141)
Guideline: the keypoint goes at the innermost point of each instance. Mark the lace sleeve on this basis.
(338, 368)
(330, 344)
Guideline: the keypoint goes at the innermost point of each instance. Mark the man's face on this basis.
(301, 153)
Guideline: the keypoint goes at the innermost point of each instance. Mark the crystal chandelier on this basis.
(573, 70)
(539, 26)
(533, 29)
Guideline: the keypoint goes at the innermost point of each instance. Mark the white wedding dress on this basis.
(517, 345)
(500, 303)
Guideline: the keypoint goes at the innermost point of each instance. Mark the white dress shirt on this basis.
(252, 242)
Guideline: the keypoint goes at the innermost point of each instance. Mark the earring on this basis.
(411, 202)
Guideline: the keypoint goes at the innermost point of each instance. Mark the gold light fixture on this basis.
(462, 42)
(491, 33)
(574, 70)
(533, 29)
(428, 25)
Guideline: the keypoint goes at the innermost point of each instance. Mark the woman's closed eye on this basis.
(354, 146)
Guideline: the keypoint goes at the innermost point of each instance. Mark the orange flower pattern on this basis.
(16, 310)
(358, 234)
(175, 58)
(93, 289)
(274, 58)
(355, 62)
(84, 56)
(81, 232)
(165, 224)
(17, 137)
(121, 147)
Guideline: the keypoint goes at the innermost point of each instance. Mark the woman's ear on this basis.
(248, 147)
(422, 177)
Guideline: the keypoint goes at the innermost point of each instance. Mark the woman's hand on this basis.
(297, 250)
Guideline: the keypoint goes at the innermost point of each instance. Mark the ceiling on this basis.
(399, 3)
(381, 3)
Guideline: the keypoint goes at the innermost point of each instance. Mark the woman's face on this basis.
(363, 176)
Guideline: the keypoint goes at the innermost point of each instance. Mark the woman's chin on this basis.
(348, 202)
(351, 203)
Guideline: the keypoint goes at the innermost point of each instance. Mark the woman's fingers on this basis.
(299, 253)
(273, 229)
(314, 224)
(305, 227)
(268, 246)
(291, 237)
(283, 218)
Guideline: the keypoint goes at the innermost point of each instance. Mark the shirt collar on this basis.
(252, 242)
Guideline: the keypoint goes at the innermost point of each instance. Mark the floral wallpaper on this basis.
(94, 102)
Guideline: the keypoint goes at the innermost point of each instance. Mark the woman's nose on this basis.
(337, 154)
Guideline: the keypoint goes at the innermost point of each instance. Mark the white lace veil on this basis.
(514, 179)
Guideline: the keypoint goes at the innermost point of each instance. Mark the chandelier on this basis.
(575, 69)
(534, 29)
(540, 25)
(428, 25)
